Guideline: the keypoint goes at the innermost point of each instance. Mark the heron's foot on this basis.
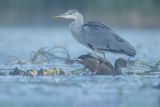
(90, 53)
(93, 54)
(97, 54)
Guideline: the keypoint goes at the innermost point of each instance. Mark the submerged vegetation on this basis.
(44, 62)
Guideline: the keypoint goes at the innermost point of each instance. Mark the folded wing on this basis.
(101, 37)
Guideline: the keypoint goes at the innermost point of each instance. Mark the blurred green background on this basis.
(115, 13)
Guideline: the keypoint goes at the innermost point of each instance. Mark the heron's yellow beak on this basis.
(58, 17)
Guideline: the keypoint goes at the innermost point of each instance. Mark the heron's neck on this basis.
(77, 24)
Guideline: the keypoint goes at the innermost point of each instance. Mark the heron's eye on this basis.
(69, 13)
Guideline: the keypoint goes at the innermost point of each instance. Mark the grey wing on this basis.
(102, 37)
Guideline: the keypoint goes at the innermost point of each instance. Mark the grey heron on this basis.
(97, 36)
(99, 66)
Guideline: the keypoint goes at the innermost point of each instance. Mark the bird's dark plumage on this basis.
(83, 57)
(100, 66)
(105, 39)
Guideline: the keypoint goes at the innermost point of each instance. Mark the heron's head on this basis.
(71, 14)
(82, 58)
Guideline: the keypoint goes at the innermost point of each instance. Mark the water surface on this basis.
(77, 91)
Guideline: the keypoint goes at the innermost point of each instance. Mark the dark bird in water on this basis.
(101, 66)
(97, 36)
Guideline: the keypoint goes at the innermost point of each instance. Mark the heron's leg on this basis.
(104, 55)
(128, 60)
(95, 51)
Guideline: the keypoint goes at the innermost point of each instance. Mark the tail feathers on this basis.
(129, 50)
